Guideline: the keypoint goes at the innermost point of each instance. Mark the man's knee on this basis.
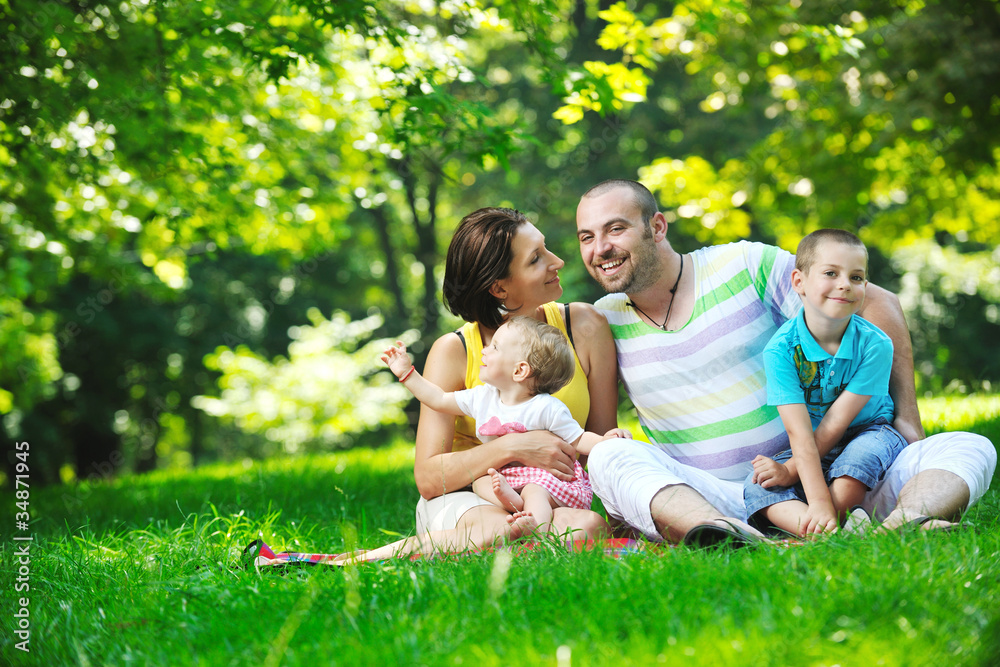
(988, 449)
(967, 455)
(604, 458)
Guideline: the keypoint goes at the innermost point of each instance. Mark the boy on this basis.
(828, 370)
(526, 361)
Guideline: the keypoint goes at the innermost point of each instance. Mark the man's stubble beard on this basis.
(645, 269)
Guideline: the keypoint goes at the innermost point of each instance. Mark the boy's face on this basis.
(834, 286)
(502, 358)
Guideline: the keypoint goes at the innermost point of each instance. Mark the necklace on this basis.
(673, 291)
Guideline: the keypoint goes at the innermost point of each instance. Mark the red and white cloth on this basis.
(574, 493)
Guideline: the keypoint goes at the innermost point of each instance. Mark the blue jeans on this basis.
(864, 453)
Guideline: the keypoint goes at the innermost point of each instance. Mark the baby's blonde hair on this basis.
(547, 352)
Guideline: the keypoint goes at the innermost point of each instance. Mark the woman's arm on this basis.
(437, 469)
(882, 309)
(596, 349)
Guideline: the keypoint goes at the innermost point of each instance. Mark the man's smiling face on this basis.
(616, 245)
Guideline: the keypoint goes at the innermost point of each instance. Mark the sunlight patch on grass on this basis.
(959, 413)
(396, 456)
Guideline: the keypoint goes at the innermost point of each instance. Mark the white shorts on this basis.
(626, 474)
(443, 512)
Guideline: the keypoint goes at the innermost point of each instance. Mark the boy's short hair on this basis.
(547, 352)
(805, 254)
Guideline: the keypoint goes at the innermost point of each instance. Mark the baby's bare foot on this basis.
(504, 493)
(522, 524)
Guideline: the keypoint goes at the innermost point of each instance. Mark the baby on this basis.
(525, 363)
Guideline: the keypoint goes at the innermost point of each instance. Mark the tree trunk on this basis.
(382, 224)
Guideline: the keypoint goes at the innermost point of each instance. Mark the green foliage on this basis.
(954, 296)
(330, 387)
(882, 118)
(844, 134)
(176, 175)
(694, 192)
(140, 141)
(28, 353)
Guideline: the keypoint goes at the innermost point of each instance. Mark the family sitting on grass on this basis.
(832, 436)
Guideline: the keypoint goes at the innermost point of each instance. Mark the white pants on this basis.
(626, 474)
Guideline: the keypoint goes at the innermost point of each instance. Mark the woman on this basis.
(498, 267)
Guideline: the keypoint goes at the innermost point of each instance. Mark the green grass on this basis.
(139, 570)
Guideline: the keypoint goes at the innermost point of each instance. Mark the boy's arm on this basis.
(795, 417)
(837, 419)
(832, 427)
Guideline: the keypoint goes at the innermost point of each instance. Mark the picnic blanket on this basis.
(259, 554)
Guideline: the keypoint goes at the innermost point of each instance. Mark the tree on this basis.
(881, 118)
(143, 140)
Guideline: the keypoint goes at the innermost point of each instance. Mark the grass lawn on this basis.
(140, 571)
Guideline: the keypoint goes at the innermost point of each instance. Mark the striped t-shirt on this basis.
(700, 391)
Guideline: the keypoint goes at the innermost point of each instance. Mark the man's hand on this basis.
(542, 449)
(911, 432)
(819, 519)
(768, 472)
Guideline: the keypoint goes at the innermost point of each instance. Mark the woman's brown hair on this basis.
(480, 254)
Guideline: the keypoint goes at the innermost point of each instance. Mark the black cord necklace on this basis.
(673, 292)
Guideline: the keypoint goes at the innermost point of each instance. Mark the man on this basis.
(690, 331)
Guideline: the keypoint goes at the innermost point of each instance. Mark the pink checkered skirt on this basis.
(574, 493)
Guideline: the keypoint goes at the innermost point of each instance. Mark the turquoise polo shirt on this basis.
(800, 371)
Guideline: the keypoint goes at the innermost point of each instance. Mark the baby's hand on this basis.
(396, 359)
(619, 433)
(768, 472)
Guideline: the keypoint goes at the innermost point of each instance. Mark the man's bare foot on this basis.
(897, 519)
(522, 524)
(510, 498)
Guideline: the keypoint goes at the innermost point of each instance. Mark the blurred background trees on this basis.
(213, 212)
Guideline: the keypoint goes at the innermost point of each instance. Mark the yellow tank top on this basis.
(576, 394)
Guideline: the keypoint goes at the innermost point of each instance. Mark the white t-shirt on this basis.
(542, 412)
